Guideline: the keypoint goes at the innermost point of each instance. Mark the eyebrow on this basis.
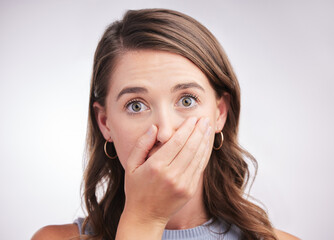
(131, 90)
(186, 86)
(177, 87)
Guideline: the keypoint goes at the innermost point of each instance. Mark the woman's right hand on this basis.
(157, 188)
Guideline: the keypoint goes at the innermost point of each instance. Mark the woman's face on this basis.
(155, 87)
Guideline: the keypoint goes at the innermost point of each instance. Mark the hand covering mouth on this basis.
(155, 148)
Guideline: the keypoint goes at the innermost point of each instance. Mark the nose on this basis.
(167, 123)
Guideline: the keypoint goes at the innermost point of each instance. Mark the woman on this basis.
(162, 138)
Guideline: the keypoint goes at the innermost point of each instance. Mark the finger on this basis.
(191, 175)
(141, 149)
(171, 148)
(191, 148)
(201, 159)
(198, 172)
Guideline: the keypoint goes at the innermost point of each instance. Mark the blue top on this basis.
(207, 231)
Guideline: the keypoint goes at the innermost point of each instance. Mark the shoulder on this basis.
(57, 232)
(284, 236)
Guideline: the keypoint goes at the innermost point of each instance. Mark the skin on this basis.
(161, 113)
(177, 137)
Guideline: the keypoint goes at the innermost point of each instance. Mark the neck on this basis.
(192, 214)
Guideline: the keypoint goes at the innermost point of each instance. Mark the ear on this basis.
(101, 119)
(223, 104)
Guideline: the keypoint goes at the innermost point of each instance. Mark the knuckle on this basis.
(171, 180)
(200, 167)
(155, 169)
(192, 148)
(198, 156)
(180, 189)
(178, 141)
(183, 191)
(140, 143)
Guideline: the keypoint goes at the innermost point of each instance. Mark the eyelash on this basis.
(195, 97)
(130, 102)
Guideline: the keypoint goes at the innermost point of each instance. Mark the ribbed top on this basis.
(207, 231)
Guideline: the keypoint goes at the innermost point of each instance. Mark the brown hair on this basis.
(227, 172)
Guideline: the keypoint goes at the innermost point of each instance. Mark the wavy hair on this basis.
(227, 172)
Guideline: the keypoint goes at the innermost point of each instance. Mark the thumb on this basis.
(141, 149)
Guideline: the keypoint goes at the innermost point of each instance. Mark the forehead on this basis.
(158, 69)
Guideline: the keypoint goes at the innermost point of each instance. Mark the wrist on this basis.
(136, 226)
(143, 218)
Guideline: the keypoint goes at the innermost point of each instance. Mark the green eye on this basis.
(136, 107)
(187, 101)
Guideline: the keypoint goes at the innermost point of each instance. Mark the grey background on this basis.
(282, 52)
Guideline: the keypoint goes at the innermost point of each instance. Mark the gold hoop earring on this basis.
(221, 143)
(105, 151)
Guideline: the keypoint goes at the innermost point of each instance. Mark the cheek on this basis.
(209, 110)
(125, 135)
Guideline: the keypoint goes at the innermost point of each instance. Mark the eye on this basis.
(135, 106)
(188, 101)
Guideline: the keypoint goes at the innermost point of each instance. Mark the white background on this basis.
(282, 52)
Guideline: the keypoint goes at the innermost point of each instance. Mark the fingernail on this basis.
(205, 124)
(206, 121)
(208, 131)
(150, 130)
(193, 120)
